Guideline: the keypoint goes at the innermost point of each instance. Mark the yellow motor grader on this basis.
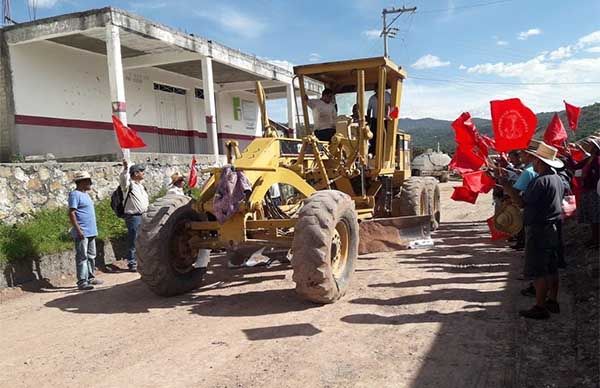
(337, 200)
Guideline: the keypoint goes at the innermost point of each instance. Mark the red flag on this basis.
(496, 234)
(394, 113)
(128, 138)
(478, 182)
(465, 160)
(465, 131)
(193, 179)
(464, 194)
(577, 154)
(513, 123)
(555, 134)
(572, 115)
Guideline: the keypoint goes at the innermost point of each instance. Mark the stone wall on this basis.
(28, 187)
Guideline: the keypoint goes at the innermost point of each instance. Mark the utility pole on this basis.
(388, 30)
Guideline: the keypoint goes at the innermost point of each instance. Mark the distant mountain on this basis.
(427, 132)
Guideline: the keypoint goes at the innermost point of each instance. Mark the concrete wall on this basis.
(52, 81)
(28, 187)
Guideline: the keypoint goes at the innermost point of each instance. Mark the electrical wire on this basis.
(464, 7)
(505, 83)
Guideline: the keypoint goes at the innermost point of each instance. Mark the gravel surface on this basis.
(442, 317)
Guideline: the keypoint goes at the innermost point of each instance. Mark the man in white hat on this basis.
(84, 231)
(177, 183)
(542, 202)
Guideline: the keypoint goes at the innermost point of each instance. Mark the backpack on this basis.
(117, 202)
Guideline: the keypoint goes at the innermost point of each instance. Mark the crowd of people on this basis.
(540, 182)
(82, 216)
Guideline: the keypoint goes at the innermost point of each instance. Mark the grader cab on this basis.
(336, 201)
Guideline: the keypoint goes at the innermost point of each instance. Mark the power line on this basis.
(505, 83)
(465, 7)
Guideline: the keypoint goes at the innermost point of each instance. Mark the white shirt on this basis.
(372, 106)
(138, 201)
(324, 114)
(174, 190)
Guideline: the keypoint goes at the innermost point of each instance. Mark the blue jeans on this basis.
(133, 222)
(85, 254)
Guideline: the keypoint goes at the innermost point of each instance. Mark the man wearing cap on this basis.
(177, 183)
(136, 203)
(84, 231)
(542, 210)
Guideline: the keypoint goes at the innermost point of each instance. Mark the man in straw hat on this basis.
(542, 210)
(84, 231)
(177, 183)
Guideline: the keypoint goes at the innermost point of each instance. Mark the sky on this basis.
(459, 54)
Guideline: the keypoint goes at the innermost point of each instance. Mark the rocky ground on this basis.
(441, 317)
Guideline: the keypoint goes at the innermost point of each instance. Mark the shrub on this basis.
(47, 232)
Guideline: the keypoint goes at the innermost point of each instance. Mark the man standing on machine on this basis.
(324, 114)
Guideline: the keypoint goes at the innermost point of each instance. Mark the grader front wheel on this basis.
(165, 259)
(325, 246)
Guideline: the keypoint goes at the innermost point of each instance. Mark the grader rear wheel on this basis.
(433, 193)
(165, 259)
(413, 199)
(325, 246)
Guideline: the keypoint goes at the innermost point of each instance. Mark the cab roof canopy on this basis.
(341, 76)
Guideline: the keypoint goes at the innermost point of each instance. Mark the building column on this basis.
(210, 107)
(115, 77)
(291, 107)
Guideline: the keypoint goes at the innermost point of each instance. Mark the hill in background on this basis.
(428, 132)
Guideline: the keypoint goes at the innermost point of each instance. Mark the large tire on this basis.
(165, 261)
(433, 194)
(325, 246)
(444, 177)
(413, 199)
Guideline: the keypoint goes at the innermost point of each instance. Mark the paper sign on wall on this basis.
(249, 114)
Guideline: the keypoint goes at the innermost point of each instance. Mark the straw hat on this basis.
(509, 219)
(547, 154)
(81, 175)
(176, 177)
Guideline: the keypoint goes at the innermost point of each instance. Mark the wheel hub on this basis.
(339, 249)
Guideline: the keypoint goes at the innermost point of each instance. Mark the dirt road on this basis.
(443, 317)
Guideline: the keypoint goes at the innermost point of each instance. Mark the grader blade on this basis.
(392, 234)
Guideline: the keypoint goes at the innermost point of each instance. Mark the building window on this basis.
(199, 93)
(169, 89)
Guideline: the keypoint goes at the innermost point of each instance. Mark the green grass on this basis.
(47, 232)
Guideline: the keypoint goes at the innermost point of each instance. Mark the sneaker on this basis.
(552, 306)
(96, 282)
(536, 312)
(529, 291)
(85, 287)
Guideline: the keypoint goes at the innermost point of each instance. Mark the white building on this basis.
(63, 77)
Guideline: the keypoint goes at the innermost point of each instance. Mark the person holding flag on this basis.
(588, 207)
(542, 210)
(135, 204)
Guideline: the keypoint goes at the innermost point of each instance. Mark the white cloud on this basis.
(234, 21)
(594, 50)
(502, 43)
(314, 57)
(42, 3)
(561, 53)
(530, 32)
(531, 80)
(462, 67)
(371, 34)
(428, 62)
(589, 39)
